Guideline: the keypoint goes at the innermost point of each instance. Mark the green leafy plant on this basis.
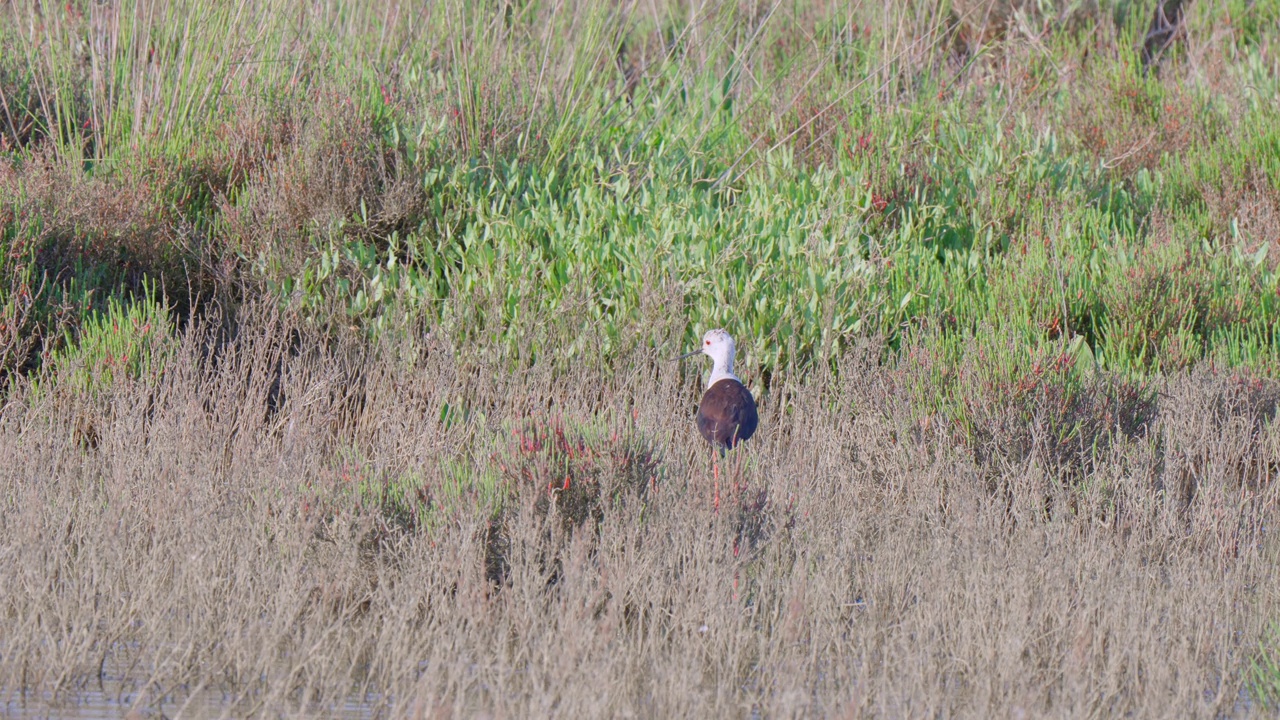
(127, 341)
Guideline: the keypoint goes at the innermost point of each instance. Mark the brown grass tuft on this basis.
(332, 175)
(1128, 126)
(239, 528)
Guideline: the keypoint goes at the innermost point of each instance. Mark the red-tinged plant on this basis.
(576, 472)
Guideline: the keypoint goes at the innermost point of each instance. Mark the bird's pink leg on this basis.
(737, 490)
(715, 472)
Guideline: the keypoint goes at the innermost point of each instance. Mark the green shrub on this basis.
(125, 342)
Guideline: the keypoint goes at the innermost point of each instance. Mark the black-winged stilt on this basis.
(727, 414)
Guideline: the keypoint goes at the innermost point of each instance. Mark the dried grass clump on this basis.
(147, 214)
(1248, 206)
(568, 479)
(809, 125)
(122, 216)
(1050, 410)
(577, 474)
(979, 23)
(1128, 125)
(22, 288)
(236, 542)
(334, 175)
(1221, 427)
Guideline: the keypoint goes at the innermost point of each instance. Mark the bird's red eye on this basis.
(708, 342)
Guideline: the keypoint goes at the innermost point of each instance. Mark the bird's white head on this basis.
(718, 345)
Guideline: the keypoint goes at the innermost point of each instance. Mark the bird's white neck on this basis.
(722, 369)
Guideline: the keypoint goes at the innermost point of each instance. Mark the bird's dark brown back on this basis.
(727, 415)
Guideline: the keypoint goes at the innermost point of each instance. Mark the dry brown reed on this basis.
(213, 538)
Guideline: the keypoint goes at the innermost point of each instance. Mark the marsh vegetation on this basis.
(335, 349)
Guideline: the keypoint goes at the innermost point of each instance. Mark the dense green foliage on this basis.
(497, 172)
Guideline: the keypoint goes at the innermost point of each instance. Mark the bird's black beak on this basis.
(687, 355)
